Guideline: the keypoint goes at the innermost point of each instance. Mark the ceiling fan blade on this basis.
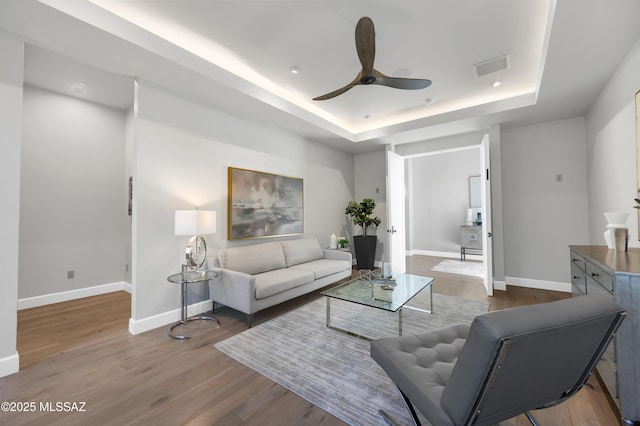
(403, 83)
(366, 44)
(334, 93)
(400, 83)
(340, 91)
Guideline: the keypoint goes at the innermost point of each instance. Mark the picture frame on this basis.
(130, 203)
(262, 204)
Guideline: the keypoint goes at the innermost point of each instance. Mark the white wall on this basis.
(440, 198)
(442, 144)
(182, 153)
(611, 150)
(11, 76)
(73, 210)
(543, 217)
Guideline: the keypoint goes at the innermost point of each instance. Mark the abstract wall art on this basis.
(264, 204)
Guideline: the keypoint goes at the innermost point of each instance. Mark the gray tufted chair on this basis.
(506, 363)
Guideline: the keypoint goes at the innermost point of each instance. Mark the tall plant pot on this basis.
(365, 247)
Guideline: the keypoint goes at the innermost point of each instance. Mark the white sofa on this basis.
(255, 277)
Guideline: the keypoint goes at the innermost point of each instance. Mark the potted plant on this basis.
(365, 245)
(343, 243)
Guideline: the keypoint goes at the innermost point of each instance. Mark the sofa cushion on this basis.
(252, 259)
(301, 251)
(274, 282)
(323, 267)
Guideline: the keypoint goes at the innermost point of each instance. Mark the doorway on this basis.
(437, 200)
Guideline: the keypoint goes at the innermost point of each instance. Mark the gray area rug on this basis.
(468, 267)
(333, 370)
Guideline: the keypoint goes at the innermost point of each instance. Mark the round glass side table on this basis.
(185, 278)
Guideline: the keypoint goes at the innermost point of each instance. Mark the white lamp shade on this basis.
(195, 222)
(206, 222)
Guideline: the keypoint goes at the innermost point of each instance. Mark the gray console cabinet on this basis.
(470, 239)
(616, 274)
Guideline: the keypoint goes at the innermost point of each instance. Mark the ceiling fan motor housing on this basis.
(368, 79)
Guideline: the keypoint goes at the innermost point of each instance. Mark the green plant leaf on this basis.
(361, 213)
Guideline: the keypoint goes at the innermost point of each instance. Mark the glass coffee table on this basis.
(391, 296)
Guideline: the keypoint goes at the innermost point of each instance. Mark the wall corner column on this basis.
(11, 82)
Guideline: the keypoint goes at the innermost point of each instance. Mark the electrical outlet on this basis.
(559, 177)
(126, 267)
(71, 275)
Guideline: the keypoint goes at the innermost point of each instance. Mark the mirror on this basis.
(475, 201)
(474, 192)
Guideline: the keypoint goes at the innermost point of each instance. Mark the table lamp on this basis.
(196, 223)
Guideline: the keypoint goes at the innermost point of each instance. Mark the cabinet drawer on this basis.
(593, 287)
(578, 261)
(604, 278)
(609, 375)
(579, 278)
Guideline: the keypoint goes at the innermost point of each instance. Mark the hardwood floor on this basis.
(81, 352)
(48, 330)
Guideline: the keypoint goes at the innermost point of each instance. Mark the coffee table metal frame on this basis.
(373, 293)
(184, 278)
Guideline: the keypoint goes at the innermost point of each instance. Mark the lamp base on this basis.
(196, 252)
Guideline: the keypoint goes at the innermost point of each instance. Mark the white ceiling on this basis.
(236, 55)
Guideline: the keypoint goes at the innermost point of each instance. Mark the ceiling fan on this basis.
(366, 48)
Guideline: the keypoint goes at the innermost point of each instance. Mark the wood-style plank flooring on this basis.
(82, 352)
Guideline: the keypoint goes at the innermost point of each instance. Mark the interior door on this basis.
(395, 213)
(487, 242)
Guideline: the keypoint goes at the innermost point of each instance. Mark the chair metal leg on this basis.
(391, 421)
(532, 419)
(412, 410)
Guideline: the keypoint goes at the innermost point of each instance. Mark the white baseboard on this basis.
(9, 365)
(539, 284)
(165, 318)
(447, 254)
(64, 296)
(499, 285)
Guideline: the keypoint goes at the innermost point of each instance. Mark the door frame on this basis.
(484, 169)
(396, 243)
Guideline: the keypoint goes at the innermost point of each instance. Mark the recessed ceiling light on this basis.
(496, 83)
(79, 89)
(428, 101)
(367, 116)
(294, 70)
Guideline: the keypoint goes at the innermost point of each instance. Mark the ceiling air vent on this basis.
(492, 65)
